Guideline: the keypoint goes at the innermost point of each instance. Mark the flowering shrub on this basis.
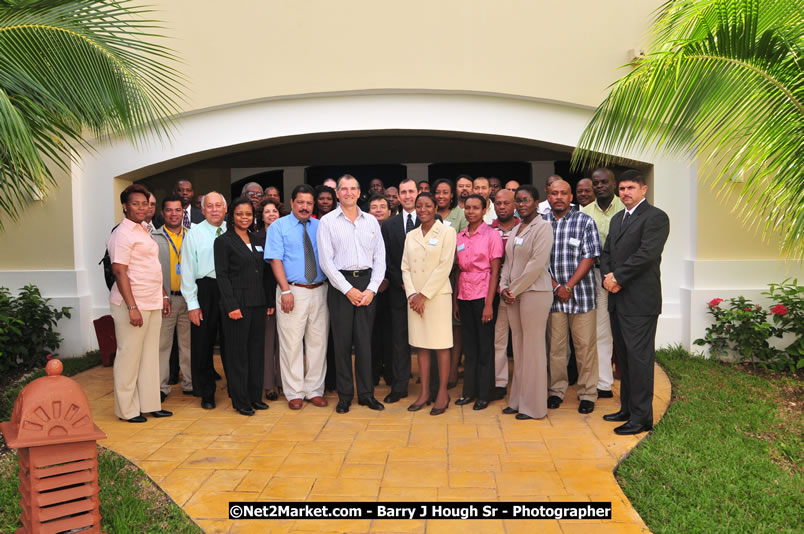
(742, 328)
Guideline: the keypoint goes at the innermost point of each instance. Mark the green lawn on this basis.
(130, 501)
(726, 457)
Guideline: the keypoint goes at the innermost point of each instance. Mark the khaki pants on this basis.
(584, 336)
(605, 342)
(303, 342)
(179, 321)
(501, 328)
(136, 365)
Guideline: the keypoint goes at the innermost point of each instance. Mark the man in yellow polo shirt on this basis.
(602, 210)
(169, 238)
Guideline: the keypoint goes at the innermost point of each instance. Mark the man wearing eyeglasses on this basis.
(253, 192)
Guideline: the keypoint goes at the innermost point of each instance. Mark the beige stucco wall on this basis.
(43, 236)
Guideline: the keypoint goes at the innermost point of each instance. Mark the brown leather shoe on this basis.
(319, 401)
(295, 404)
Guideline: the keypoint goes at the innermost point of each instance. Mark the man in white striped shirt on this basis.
(352, 255)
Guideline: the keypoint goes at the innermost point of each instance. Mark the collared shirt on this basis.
(344, 245)
(130, 244)
(174, 249)
(475, 253)
(603, 217)
(285, 241)
(198, 259)
(456, 219)
(544, 208)
(631, 211)
(405, 218)
(575, 238)
(491, 213)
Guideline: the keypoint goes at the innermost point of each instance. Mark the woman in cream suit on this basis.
(426, 264)
(527, 288)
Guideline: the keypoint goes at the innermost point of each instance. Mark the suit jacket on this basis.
(634, 255)
(239, 272)
(427, 261)
(393, 233)
(268, 279)
(525, 267)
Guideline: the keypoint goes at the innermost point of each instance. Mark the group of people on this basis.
(447, 270)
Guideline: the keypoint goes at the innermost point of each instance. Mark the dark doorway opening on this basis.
(265, 179)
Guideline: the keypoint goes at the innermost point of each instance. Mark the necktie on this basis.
(409, 224)
(626, 221)
(186, 220)
(218, 232)
(310, 270)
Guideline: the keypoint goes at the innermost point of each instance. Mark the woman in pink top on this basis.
(479, 251)
(138, 302)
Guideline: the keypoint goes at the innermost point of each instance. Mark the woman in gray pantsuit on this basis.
(526, 286)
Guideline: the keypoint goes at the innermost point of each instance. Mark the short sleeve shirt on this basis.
(130, 244)
(575, 238)
(474, 255)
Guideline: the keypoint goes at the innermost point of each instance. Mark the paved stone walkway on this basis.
(204, 459)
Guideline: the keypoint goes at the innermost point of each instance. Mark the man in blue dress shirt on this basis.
(301, 301)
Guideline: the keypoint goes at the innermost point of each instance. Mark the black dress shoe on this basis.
(394, 397)
(604, 393)
(138, 419)
(464, 400)
(162, 396)
(508, 410)
(371, 403)
(342, 407)
(499, 393)
(245, 411)
(191, 392)
(161, 413)
(554, 402)
(217, 376)
(617, 417)
(479, 404)
(523, 417)
(259, 405)
(630, 428)
(208, 404)
(586, 406)
(451, 385)
(272, 396)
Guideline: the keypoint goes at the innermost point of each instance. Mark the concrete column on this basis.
(539, 171)
(292, 177)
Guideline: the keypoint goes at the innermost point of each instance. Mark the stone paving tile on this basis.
(203, 459)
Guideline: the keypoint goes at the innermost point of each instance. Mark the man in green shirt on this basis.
(602, 210)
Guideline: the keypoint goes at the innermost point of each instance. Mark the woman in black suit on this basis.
(239, 268)
(268, 212)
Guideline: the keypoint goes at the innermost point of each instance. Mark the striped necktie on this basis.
(186, 220)
(409, 224)
(310, 270)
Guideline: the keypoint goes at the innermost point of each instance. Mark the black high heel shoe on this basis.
(416, 407)
(272, 396)
(439, 411)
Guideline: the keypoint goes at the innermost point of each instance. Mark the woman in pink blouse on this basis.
(138, 302)
(478, 253)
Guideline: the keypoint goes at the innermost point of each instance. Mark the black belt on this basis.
(357, 274)
(176, 293)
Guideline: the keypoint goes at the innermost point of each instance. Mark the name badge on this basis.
(574, 242)
(259, 248)
(447, 223)
(433, 242)
(461, 247)
(178, 268)
(518, 241)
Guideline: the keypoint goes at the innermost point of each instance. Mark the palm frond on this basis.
(72, 65)
(723, 82)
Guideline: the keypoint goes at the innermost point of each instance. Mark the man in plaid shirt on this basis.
(575, 246)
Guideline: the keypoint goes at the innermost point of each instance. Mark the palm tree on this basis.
(722, 81)
(70, 69)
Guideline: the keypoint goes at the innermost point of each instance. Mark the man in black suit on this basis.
(630, 265)
(393, 234)
(192, 215)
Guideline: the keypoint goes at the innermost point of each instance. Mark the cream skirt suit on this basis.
(426, 264)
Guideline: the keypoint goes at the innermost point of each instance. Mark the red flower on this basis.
(49, 356)
(779, 309)
(748, 308)
(714, 302)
